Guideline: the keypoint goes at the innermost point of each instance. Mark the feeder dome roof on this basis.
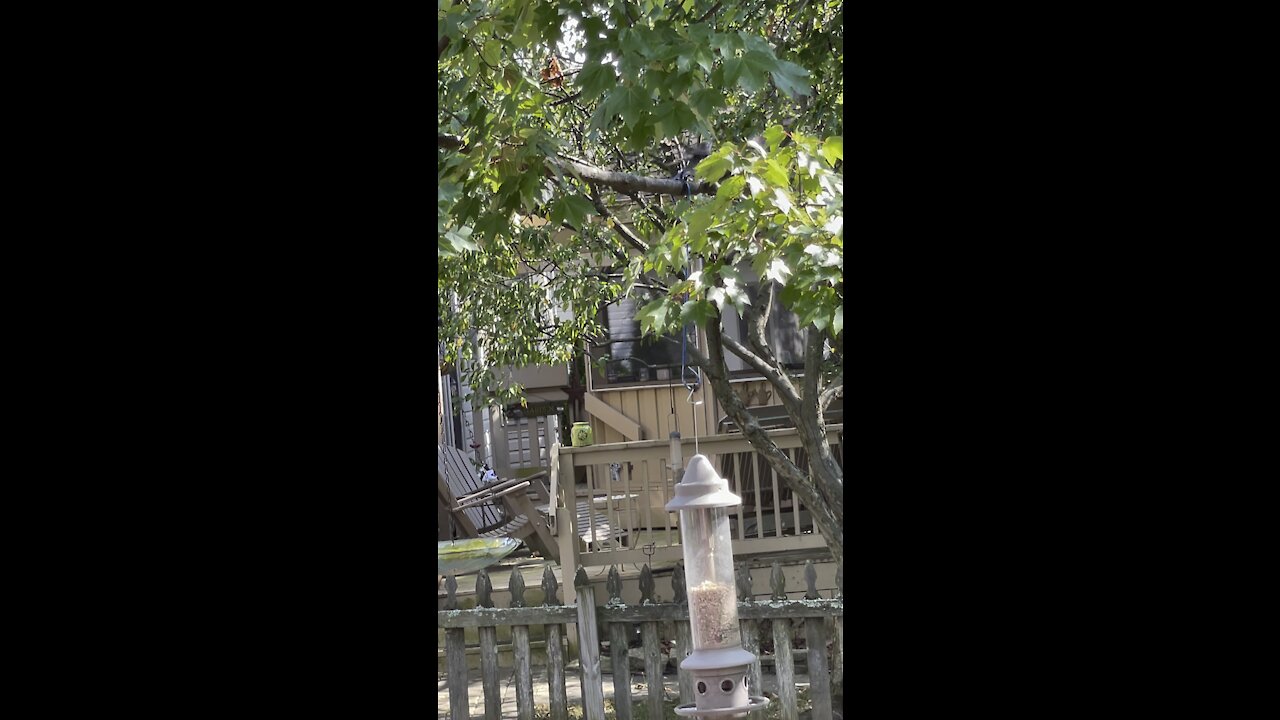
(702, 487)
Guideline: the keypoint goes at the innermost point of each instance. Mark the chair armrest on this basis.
(540, 488)
(489, 498)
(501, 485)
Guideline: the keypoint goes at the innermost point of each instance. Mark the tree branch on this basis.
(626, 183)
(656, 214)
(833, 391)
(757, 321)
(828, 519)
(622, 182)
(564, 100)
(812, 364)
(776, 377)
(441, 46)
(627, 233)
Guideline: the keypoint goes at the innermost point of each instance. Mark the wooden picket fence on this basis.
(814, 618)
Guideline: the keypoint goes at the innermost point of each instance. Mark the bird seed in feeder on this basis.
(713, 609)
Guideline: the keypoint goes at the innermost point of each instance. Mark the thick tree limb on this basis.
(776, 377)
(758, 321)
(627, 183)
(627, 233)
(812, 363)
(623, 182)
(827, 517)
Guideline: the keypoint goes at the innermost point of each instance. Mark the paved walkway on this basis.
(573, 688)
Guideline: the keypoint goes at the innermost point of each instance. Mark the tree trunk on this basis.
(828, 517)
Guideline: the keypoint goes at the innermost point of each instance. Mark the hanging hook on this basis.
(691, 401)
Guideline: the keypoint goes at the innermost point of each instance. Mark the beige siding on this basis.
(651, 408)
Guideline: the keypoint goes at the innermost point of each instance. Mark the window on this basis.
(629, 359)
(783, 333)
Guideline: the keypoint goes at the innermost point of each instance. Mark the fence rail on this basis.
(808, 619)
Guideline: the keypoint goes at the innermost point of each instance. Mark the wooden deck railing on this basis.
(631, 482)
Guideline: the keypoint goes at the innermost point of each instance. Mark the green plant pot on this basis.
(581, 434)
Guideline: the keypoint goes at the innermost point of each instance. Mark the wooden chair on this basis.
(494, 509)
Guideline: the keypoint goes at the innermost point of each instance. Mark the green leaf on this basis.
(774, 173)
(633, 42)
(833, 149)
(732, 70)
(697, 223)
(774, 136)
(595, 80)
(726, 44)
(782, 200)
(778, 271)
(837, 323)
(756, 67)
(716, 295)
(730, 189)
(631, 103)
(790, 79)
(576, 208)
(715, 165)
(653, 317)
(492, 52)
(705, 101)
(696, 312)
(671, 118)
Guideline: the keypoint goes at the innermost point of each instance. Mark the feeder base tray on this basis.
(756, 702)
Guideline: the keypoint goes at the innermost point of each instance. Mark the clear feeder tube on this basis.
(708, 562)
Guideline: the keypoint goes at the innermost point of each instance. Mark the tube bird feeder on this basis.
(718, 661)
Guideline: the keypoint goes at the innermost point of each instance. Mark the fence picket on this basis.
(652, 650)
(684, 635)
(652, 667)
(618, 647)
(524, 677)
(783, 663)
(816, 639)
(488, 651)
(556, 695)
(589, 642)
(618, 621)
(837, 639)
(520, 650)
(455, 649)
(750, 629)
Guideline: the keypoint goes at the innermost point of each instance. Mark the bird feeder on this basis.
(718, 662)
